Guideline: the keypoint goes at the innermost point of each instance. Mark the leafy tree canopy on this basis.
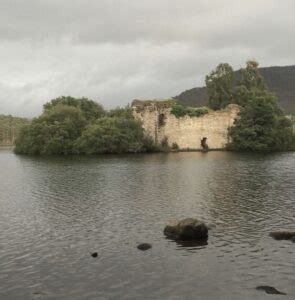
(219, 85)
(261, 125)
(119, 112)
(9, 127)
(113, 135)
(90, 109)
(72, 126)
(54, 132)
(251, 78)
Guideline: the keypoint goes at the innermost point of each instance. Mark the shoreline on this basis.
(7, 146)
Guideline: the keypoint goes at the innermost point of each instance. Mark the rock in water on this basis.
(269, 290)
(186, 229)
(283, 235)
(144, 246)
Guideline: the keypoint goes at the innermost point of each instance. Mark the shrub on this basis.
(175, 146)
(164, 145)
(119, 112)
(180, 111)
(113, 135)
(54, 132)
(90, 109)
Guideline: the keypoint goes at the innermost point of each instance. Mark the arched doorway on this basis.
(204, 144)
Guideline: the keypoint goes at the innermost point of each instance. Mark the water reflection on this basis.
(195, 244)
(54, 211)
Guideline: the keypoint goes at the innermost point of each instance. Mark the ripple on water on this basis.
(56, 211)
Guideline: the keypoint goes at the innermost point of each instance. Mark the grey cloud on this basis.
(123, 21)
(117, 50)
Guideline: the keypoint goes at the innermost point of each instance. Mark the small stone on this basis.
(144, 246)
(94, 254)
(283, 235)
(269, 290)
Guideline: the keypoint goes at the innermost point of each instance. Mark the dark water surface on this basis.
(55, 211)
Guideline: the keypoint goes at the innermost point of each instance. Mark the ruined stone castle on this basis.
(187, 132)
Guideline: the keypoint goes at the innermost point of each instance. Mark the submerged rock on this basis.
(283, 235)
(269, 290)
(186, 229)
(144, 246)
(192, 243)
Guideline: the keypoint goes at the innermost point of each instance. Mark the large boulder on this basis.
(186, 229)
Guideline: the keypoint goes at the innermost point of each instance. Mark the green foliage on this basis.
(10, 121)
(90, 109)
(285, 134)
(164, 145)
(251, 78)
(113, 135)
(259, 128)
(54, 132)
(279, 80)
(9, 128)
(292, 120)
(119, 112)
(73, 126)
(254, 129)
(219, 85)
(175, 147)
(180, 111)
(260, 125)
(251, 83)
(177, 108)
(160, 103)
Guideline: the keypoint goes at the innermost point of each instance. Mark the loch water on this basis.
(56, 211)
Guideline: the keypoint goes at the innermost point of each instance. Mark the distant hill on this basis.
(9, 127)
(280, 80)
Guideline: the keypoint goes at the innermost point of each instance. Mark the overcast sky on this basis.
(114, 51)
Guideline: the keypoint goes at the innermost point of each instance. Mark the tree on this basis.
(113, 135)
(73, 126)
(255, 128)
(261, 125)
(9, 128)
(120, 112)
(90, 109)
(219, 86)
(54, 132)
(250, 83)
(251, 78)
(285, 136)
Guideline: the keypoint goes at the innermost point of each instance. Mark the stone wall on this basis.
(186, 131)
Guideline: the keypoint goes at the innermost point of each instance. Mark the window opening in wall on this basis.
(161, 120)
(204, 144)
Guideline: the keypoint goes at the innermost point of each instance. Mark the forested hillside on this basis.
(279, 80)
(9, 127)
